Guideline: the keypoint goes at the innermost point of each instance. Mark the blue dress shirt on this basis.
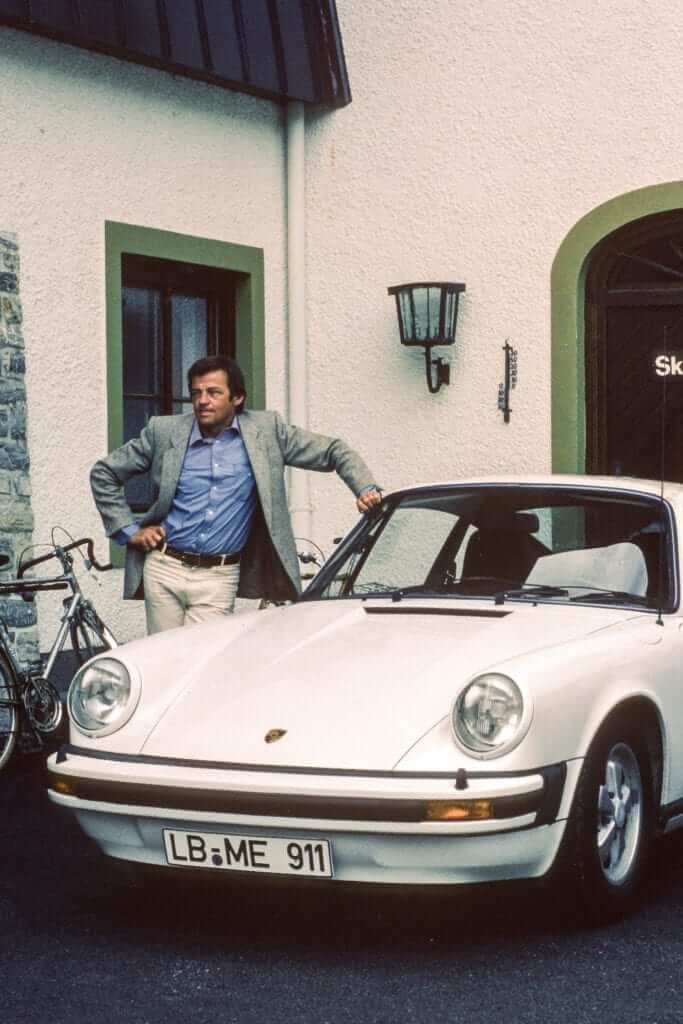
(215, 499)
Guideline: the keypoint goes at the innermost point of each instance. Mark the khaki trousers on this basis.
(178, 595)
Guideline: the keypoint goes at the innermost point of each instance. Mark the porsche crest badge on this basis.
(274, 734)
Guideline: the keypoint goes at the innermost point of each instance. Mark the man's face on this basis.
(212, 402)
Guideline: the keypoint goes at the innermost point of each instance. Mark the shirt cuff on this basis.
(123, 535)
(370, 487)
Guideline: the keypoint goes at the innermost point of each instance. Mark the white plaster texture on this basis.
(478, 135)
(89, 139)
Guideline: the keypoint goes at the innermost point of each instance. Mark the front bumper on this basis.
(381, 826)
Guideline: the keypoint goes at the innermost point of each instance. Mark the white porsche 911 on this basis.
(483, 683)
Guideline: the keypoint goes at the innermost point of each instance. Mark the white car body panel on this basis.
(363, 691)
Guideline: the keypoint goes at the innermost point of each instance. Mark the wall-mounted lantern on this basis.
(427, 316)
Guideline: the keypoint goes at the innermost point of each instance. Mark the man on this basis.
(218, 525)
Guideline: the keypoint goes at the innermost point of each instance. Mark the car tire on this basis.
(610, 831)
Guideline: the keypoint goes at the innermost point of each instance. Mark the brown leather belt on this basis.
(197, 561)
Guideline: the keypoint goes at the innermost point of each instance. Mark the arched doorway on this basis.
(634, 312)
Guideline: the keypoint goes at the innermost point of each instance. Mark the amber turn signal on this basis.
(62, 786)
(459, 810)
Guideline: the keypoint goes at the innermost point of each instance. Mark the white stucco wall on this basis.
(88, 139)
(478, 135)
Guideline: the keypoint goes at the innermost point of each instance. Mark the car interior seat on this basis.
(504, 551)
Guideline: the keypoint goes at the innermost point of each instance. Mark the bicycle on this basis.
(27, 697)
(307, 558)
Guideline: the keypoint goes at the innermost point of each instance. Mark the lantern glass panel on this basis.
(451, 315)
(421, 307)
(406, 307)
(426, 303)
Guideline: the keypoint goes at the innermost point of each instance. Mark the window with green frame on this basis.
(171, 299)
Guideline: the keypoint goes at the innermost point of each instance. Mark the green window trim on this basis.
(568, 281)
(246, 261)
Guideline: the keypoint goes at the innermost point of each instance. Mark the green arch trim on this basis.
(567, 285)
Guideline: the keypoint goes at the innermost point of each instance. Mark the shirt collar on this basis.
(196, 434)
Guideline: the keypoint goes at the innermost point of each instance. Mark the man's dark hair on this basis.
(209, 364)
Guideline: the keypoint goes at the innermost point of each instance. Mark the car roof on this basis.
(672, 491)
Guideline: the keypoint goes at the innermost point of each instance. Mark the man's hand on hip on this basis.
(367, 499)
(148, 537)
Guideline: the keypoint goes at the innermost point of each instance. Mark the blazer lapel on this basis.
(173, 461)
(259, 462)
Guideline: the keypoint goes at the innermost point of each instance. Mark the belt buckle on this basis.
(192, 559)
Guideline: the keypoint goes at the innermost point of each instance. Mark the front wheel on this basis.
(89, 636)
(611, 827)
(9, 711)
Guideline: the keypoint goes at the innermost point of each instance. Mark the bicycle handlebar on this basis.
(55, 553)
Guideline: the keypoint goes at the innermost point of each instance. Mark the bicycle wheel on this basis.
(43, 704)
(89, 636)
(9, 712)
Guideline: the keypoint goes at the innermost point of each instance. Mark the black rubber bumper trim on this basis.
(281, 805)
(544, 803)
(69, 749)
(554, 778)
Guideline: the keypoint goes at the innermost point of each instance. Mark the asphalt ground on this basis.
(80, 944)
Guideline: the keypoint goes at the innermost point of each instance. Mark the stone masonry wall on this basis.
(16, 517)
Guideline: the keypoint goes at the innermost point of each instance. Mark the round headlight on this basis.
(101, 697)
(489, 716)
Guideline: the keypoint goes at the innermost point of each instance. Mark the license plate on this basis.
(267, 854)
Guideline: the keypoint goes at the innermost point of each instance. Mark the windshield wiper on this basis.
(542, 590)
(607, 595)
(398, 593)
(531, 590)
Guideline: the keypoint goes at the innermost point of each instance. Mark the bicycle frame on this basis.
(74, 606)
(28, 696)
(6, 645)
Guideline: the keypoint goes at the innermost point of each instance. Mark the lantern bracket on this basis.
(442, 371)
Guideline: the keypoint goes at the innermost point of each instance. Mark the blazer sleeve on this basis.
(305, 450)
(108, 476)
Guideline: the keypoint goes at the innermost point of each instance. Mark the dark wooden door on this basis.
(634, 312)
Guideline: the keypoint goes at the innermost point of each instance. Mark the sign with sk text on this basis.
(669, 366)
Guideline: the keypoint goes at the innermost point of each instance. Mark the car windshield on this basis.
(505, 543)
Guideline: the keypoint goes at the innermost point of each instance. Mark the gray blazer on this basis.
(269, 566)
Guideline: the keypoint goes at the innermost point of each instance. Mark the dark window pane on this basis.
(98, 21)
(15, 8)
(141, 340)
(183, 30)
(223, 41)
(173, 314)
(184, 406)
(136, 414)
(56, 13)
(295, 46)
(142, 26)
(260, 44)
(189, 329)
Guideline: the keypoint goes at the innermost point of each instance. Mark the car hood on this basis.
(351, 684)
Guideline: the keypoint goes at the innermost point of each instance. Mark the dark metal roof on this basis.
(280, 49)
